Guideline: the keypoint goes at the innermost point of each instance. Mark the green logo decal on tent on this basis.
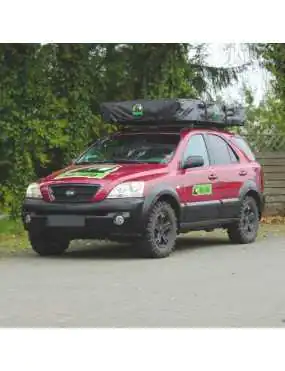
(202, 190)
(96, 172)
(137, 110)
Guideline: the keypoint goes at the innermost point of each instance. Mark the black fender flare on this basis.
(155, 194)
(250, 187)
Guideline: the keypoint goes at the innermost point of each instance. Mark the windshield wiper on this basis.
(118, 161)
(127, 161)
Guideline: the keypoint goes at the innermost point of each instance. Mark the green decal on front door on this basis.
(202, 190)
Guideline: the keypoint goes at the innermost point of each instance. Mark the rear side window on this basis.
(221, 152)
(242, 144)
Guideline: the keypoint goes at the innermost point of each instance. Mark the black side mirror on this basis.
(193, 161)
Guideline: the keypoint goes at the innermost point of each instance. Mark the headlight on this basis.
(128, 189)
(33, 191)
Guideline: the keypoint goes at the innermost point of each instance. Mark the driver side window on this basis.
(196, 147)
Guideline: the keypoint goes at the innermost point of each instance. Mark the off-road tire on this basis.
(149, 247)
(240, 232)
(45, 245)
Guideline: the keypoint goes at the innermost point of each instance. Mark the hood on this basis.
(105, 173)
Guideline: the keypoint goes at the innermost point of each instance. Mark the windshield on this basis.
(132, 148)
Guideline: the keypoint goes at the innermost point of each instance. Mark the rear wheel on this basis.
(246, 228)
(161, 231)
(48, 245)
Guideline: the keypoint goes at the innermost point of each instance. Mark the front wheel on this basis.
(160, 233)
(48, 245)
(245, 230)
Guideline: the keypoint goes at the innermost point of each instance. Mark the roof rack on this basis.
(167, 128)
(172, 113)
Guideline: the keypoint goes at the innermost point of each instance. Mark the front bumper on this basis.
(85, 220)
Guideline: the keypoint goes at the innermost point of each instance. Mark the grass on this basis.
(9, 227)
(13, 238)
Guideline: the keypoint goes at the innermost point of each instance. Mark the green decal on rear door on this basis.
(202, 190)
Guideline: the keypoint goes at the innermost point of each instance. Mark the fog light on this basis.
(119, 220)
(28, 219)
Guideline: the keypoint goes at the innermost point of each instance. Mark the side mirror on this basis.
(193, 161)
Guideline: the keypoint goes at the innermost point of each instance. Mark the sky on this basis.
(255, 78)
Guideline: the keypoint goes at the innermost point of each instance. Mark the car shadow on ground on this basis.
(124, 251)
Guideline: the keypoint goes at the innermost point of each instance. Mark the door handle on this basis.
(212, 177)
(243, 172)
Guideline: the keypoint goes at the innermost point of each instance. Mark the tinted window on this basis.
(196, 147)
(233, 156)
(221, 152)
(242, 144)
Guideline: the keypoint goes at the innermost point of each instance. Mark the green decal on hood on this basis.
(96, 172)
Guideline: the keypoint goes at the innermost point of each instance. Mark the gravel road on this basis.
(205, 283)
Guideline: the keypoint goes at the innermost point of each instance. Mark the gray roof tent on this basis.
(162, 112)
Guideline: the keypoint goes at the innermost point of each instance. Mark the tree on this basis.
(50, 96)
(272, 57)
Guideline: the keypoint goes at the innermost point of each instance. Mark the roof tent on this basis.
(172, 112)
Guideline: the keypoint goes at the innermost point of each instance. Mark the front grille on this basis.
(72, 193)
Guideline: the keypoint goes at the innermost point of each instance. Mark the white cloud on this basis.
(256, 78)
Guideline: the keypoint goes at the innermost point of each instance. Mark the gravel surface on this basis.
(206, 283)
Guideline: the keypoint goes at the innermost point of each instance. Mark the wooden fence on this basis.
(273, 164)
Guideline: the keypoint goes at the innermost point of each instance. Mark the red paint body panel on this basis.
(227, 185)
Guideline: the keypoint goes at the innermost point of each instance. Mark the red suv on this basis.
(148, 184)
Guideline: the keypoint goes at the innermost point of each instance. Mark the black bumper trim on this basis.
(82, 208)
(99, 217)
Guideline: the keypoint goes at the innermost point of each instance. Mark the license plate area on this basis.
(65, 221)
